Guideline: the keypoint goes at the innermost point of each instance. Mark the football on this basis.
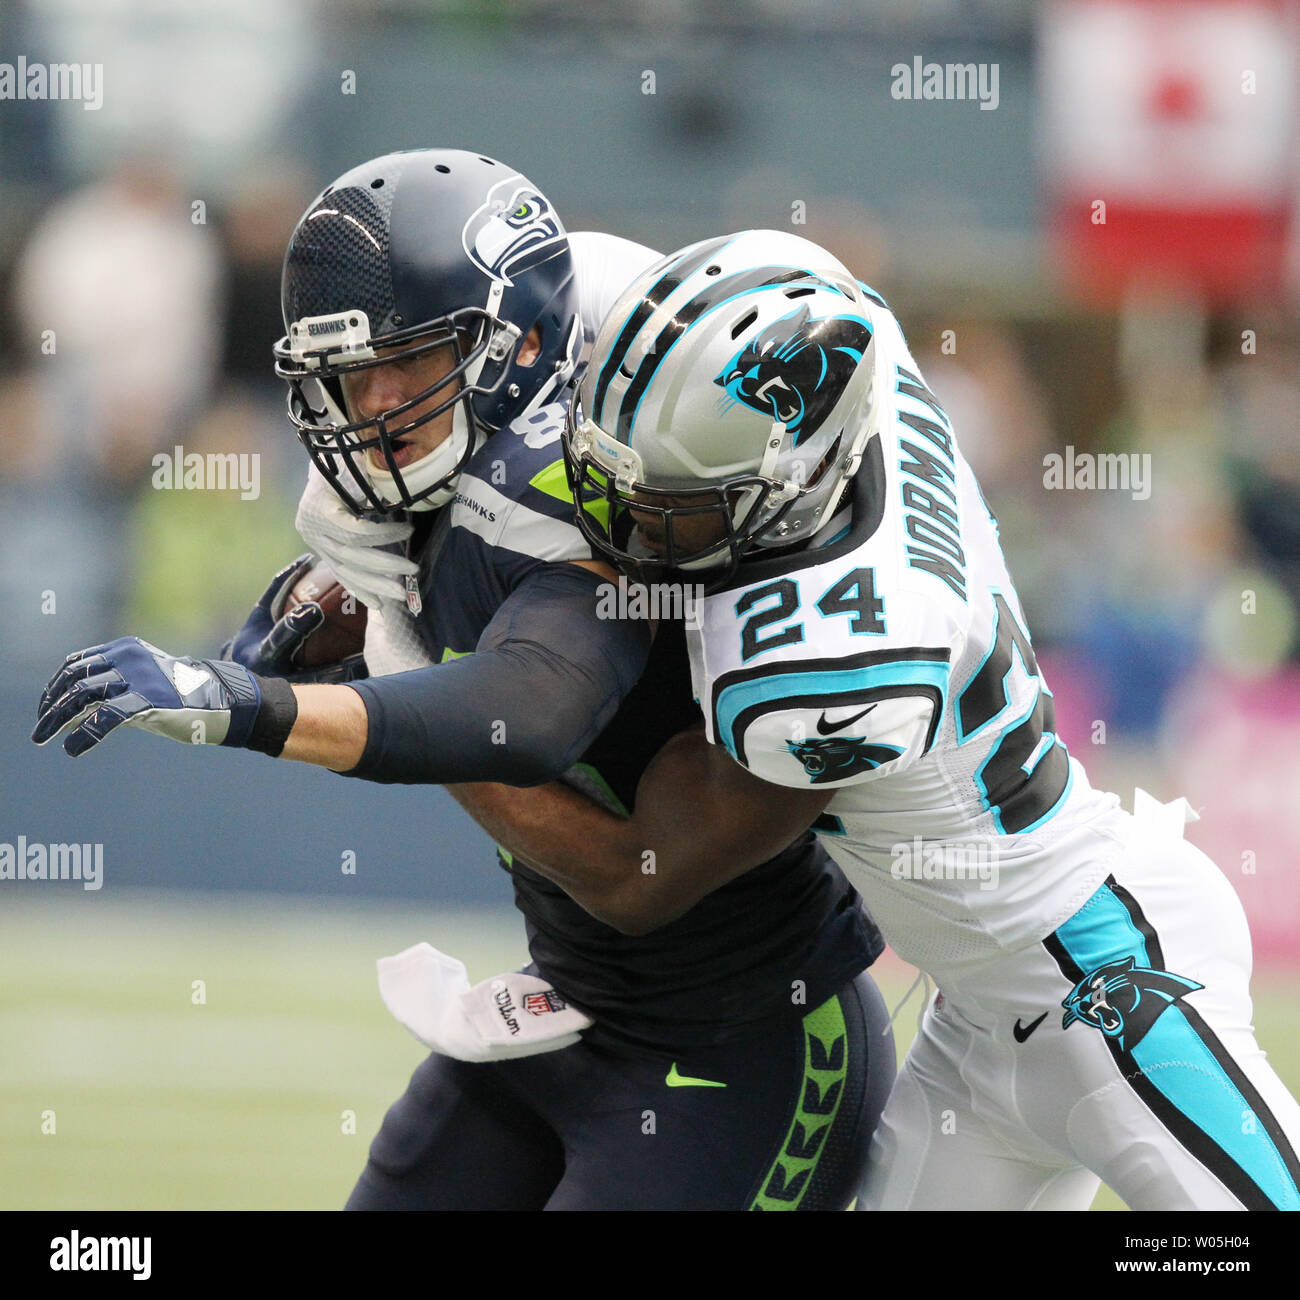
(344, 631)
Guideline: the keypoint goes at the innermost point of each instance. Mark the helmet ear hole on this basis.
(743, 324)
(530, 347)
(825, 463)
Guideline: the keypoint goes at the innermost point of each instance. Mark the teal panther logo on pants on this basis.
(1123, 999)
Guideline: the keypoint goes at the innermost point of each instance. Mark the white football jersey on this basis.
(893, 664)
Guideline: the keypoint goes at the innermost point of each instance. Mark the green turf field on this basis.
(242, 1101)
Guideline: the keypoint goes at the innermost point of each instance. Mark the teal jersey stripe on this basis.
(1178, 1063)
(1101, 931)
(1175, 1059)
(733, 700)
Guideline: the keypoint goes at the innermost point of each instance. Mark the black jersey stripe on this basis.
(654, 298)
(900, 654)
(1066, 963)
(725, 287)
(1155, 954)
(1189, 1134)
(926, 654)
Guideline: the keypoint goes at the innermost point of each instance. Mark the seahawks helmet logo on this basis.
(1123, 999)
(796, 370)
(509, 227)
(838, 757)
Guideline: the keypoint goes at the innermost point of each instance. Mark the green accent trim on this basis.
(616, 804)
(554, 482)
(449, 653)
(785, 1184)
(675, 1080)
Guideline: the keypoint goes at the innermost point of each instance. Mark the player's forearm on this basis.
(330, 729)
(700, 821)
(562, 835)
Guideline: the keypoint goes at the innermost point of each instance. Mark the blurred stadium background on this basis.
(146, 234)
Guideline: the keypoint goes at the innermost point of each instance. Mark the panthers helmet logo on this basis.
(510, 226)
(1123, 999)
(796, 370)
(837, 757)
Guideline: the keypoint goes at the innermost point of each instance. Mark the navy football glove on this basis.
(269, 646)
(129, 682)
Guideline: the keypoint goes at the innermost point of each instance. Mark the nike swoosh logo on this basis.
(825, 728)
(675, 1080)
(1022, 1032)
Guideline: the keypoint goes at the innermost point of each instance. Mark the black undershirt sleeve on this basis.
(547, 676)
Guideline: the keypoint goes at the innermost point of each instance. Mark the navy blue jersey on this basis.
(776, 941)
(512, 513)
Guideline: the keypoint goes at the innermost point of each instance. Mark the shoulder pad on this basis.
(830, 724)
(514, 492)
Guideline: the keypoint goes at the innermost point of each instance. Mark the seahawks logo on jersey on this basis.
(838, 757)
(1123, 999)
(513, 222)
(797, 368)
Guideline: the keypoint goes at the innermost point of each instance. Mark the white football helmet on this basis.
(733, 379)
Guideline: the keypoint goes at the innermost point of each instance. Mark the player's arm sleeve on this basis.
(827, 724)
(604, 266)
(547, 676)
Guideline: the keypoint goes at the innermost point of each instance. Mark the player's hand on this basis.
(129, 682)
(266, 643)
(355, 549)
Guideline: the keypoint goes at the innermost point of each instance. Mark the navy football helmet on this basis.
(408, 253)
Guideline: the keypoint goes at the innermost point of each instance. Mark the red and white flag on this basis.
(1168, 140)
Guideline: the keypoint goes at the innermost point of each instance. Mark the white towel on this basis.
(499, 1019)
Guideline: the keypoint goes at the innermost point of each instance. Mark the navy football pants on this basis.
(592, 1128)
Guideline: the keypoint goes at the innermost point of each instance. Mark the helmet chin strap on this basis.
(752, 495)
(771, 454)
(435, 465)
(852, 460)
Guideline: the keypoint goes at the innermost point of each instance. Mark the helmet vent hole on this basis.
(490, 162)
(743, 324)
(377, 184)
(715, 269)
(800, 293)
(443, 168)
